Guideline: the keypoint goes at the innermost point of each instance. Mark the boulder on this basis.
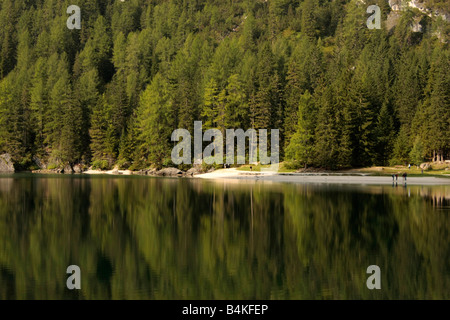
(395, 5)
(170, 172)
(425, 166)
(392, 20)
(416, 25)
(67, 169)
(193, 171)
(38, 162)
(6, 164)
(78, 168)
(152, 172)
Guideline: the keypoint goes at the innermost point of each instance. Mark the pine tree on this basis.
(308, 22)
(417, 153)
(6, 100)
(98, 132)
(86, 98)
(38, 104)
(236, 104)
(155, 124)
(210, 105)
(60, 99)
(402, 148)
(407, 90)
(433, 123)
(70, 143)
(7, 36)
(300, 148)
(327, 133)
(363, 126)
(304, 73)
(385, 136)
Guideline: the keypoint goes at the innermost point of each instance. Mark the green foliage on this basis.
(385, 136)
(300, 149)
(342, 95)
(100, 165)
(52, 166)
(402, 148)
(417, 153)
(155, 124)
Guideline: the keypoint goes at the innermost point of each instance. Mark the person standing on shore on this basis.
(404, 177)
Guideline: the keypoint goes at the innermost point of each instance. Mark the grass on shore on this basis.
(436, 170)
(257, 168)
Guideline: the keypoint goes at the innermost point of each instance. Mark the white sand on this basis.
(334, 178)
(330, 178)
(113, 172)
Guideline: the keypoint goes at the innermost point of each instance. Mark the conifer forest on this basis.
(111, 93)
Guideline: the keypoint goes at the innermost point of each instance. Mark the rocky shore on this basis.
(6, 164)
(166, 172)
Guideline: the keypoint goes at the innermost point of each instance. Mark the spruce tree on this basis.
(155, 123)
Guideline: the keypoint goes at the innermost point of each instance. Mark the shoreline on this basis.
(109, 172)
(323, 178)
(301, 178)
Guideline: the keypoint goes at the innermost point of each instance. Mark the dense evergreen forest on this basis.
(342, 95)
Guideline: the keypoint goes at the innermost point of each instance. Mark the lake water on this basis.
(158, 238)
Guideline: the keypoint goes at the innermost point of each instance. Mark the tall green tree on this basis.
(155, 123)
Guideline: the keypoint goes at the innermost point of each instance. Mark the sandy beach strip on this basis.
(110, 172)
(331, 178)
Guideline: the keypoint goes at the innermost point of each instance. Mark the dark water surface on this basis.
(156, 238)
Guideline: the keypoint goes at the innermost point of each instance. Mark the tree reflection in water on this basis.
(144, 238)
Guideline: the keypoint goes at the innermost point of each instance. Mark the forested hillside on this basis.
(111, 93)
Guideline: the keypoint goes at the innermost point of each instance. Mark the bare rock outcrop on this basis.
(193, 172)
(6, 164)
(170, 172)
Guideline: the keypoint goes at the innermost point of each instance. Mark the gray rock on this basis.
(78, 168)
(392, 20)
(37, 161)
(425, 166)
(416, 26)
(193, 171)
(67, 170)
(170, 172)
(395, 4)
(6, 164)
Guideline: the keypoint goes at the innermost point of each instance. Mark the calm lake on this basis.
(158, 238)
